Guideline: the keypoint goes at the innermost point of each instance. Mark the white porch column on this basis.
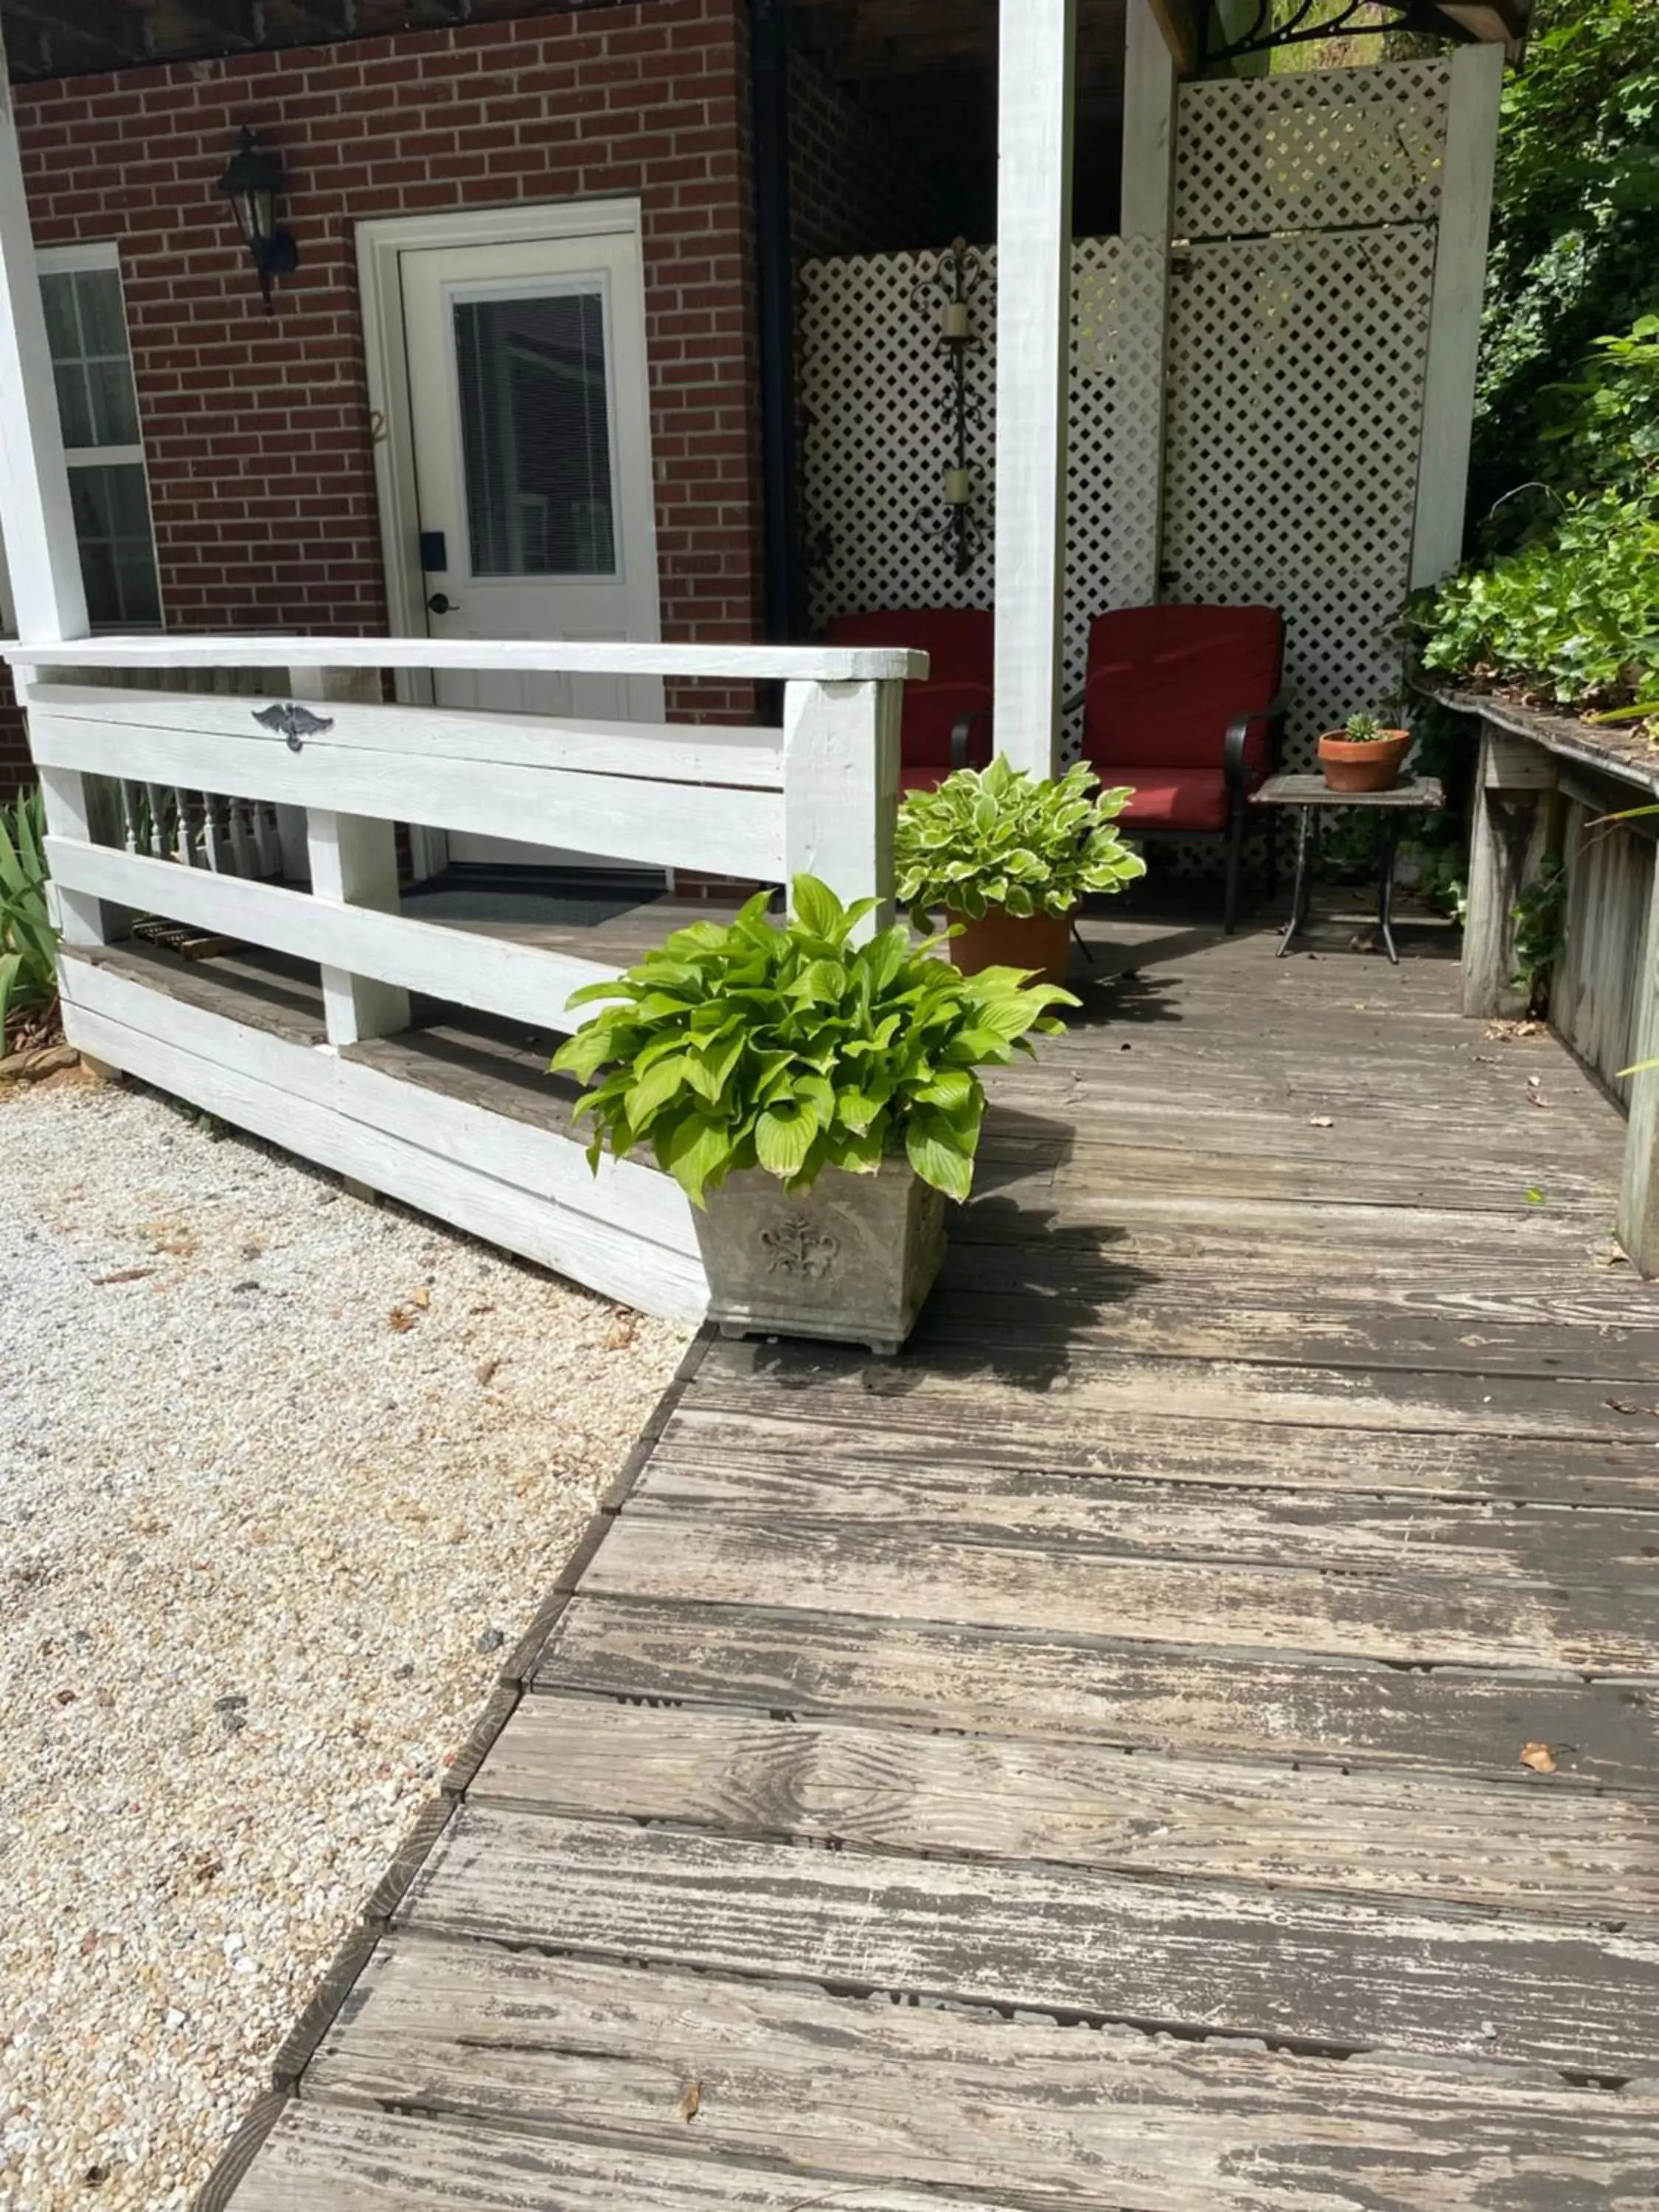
(35, 517)
(1035, 66)
(1150, 93)
(1460, 264)
(35, 497)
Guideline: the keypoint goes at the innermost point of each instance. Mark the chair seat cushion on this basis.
(1164, 799)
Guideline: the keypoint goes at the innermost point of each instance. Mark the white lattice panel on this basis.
(878, 430)
(1291, 410)
(1296, 394)
(1323, 149)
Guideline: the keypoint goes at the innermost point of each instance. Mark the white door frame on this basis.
(382, 245)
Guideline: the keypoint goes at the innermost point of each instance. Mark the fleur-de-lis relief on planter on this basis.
(795, 1248)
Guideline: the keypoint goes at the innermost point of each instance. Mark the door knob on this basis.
(441, 604)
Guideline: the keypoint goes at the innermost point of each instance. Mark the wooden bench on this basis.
(1544, 788)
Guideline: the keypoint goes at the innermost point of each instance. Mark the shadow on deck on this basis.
(1181, 1736)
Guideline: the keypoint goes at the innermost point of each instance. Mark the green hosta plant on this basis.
(28, 943)
(794, 1049)
(998, 838)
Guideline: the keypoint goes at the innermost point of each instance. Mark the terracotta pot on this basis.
(1000, 939)
(1373, 766)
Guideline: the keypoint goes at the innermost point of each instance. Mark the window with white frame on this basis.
(109, 491)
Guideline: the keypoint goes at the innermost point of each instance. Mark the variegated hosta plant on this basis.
(789, 1047)
(998, 838)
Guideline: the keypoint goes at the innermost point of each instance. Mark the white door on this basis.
(531, 437)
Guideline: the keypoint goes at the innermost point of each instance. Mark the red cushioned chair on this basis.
(947, 718)
(1183, 703)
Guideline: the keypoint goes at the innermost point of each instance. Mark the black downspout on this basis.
(769, 62)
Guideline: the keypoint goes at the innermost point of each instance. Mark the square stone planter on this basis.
(851, 1260)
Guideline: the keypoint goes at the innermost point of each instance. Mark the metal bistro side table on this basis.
(1308, 793)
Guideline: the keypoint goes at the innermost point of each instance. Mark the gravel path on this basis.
(280, 1474)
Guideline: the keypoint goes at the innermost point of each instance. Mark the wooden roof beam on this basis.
(1178, 19)
(173, 23)
(1493, 22)
(103, 33)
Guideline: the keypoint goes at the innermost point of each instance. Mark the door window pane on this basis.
(88, 334)
(118, 557)
(536, 436)
(92, 365)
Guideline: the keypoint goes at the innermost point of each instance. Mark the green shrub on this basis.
(1572, 619)
(1576, 199)
(998, 838)
(794, 1049)
(28, 943)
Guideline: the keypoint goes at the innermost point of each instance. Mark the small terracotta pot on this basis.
(1001, 939)
(1373, 766)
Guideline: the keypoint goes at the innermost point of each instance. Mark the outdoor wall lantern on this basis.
(253, 183)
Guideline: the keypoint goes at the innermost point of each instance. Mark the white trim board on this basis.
(719, 828)
(786, 664)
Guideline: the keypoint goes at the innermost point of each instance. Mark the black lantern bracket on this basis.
(253, 183)
(946, 292)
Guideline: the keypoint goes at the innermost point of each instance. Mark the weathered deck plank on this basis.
(865, 2091)
(850, 1433)
(1134, 1517)
(321, 2153)
(1105, 1386)
(1052, 1690)
(1406, 1618)
(1336, 1971)
(1516, 1845)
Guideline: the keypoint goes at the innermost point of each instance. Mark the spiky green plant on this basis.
(28, 943)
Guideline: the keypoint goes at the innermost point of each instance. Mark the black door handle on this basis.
(441, 604)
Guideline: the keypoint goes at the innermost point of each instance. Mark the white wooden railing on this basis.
(816, 794)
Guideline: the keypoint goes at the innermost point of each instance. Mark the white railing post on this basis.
(840, 767)
(1036, 67)
(353, 861)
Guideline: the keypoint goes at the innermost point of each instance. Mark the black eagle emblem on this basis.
(295, 723)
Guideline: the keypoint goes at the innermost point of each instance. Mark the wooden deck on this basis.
(1083, 1762)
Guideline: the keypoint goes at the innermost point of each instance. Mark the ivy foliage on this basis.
(1570, 620)
(1575, 207)
(998, 838)
(1562, 604)
(794, 1049)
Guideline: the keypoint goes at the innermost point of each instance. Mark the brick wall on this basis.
(854, 188)
(257, 428)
